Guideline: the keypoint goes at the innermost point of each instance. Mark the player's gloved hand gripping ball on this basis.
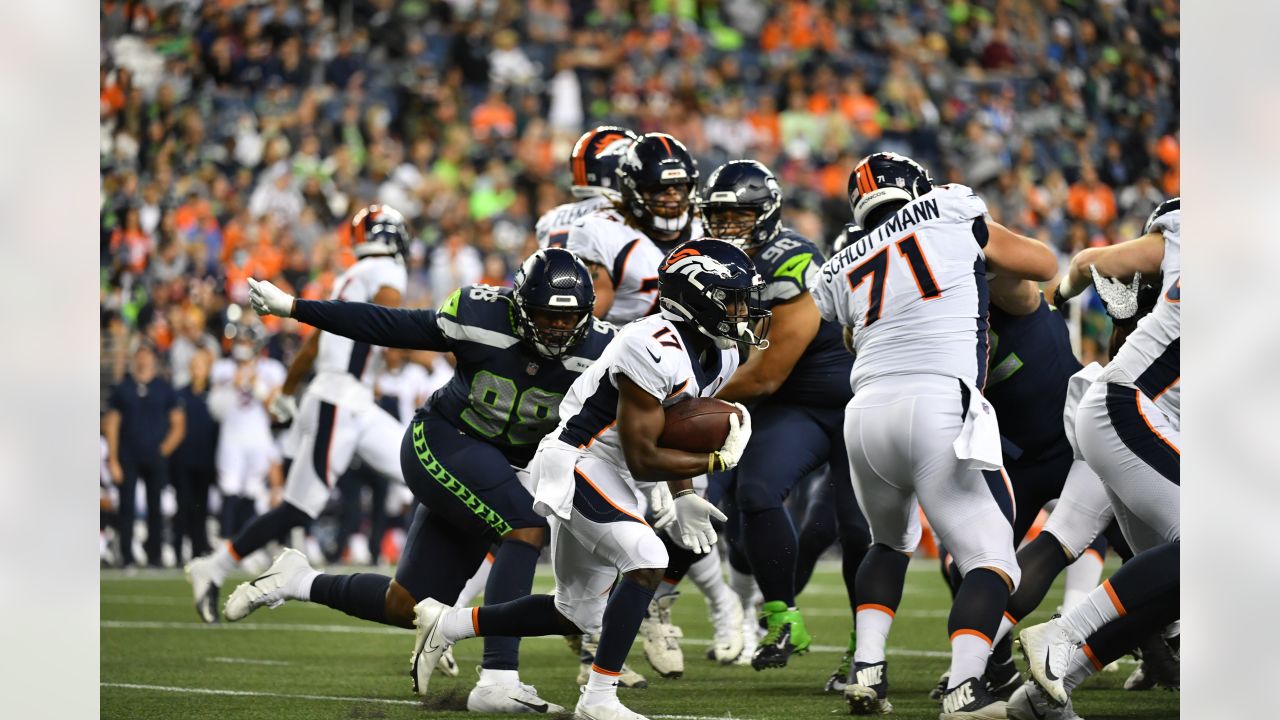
(267, 299)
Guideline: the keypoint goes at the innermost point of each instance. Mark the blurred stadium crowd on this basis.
(237, 137)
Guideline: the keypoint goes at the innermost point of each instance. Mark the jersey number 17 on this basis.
(876, 267)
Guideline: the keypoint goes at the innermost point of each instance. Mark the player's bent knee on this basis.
(647, 578)
(533, 536)
(647, 553)
(399, 605)
(584, 612)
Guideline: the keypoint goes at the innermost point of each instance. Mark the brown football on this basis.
(697, 425)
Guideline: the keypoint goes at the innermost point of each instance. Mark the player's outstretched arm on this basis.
(794, 325)
(364, 322)
(640, 423)
(1143, 254)
(1009, 253)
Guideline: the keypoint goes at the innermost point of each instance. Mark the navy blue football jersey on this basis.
(502, 391)
(1030, 363)
(821, 375)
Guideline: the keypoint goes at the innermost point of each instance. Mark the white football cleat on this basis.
(429, 645)
(447, 665)
(751, 634)
(612, 709)
(494, 697)
(662, 638)
(1029, 702)
(204, 587)
(1047, 648)
(726, 619)
(271, 588)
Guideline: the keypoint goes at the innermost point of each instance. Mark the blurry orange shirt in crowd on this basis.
(833, 180)
(493, 119)
(1096, 205)
(110, 99)
(136, 243)
(766, 126)
(862, 110)
(800, 29)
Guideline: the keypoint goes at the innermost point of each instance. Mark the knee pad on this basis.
(647, 550)
(1072, 527)
(585, 612)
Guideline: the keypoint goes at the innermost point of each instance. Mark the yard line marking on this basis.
(254, 693)
(247, 661)
(337, 698)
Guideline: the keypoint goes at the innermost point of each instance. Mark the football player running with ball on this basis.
(518, 350)
(913, 293)
(589, 472)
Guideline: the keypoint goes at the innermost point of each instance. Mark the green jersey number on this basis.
(493, 398)
(1005, 368)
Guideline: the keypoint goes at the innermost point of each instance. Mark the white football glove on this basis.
(283, 408)
(736, 442)
(692, 524)
(1120, 298)
(661, 505)
(267, 299)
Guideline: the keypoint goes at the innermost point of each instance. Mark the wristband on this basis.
(682, 493)
(715, 463)
(1065, 290)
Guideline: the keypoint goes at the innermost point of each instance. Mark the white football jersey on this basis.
(403, 390)
(241, 411)
(345, 369)
(605, 238)
(914, 291)
(654, 353)
(1149, 359)
(553, 227)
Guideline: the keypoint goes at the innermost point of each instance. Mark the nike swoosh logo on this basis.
(536, 708)
(254, 582)
(655, 357)
(1047, 672)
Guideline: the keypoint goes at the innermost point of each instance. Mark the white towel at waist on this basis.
(979, 441)
(552, 471)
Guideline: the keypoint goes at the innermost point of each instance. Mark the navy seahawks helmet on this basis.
(1164, 208)
(714, 286)
(594, 160)
(742, 185)
(652, 163)
(885, 177)
(553, 301)
(849, 234)
(379, 230)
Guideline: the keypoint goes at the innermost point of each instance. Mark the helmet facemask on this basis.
(677, 211)
(552, 331)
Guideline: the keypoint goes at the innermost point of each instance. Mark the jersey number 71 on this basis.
(877, 268)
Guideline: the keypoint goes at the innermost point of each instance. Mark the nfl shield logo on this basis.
(532, 369)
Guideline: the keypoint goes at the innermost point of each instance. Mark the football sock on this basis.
(529, 616)
(1041, 561)
(266, 527)
(362, 595)
(770, 540)
(1002, 649)
(708, 576)
(510, 579)
(854, 544)
(1079, 668)
(879, 582)
(499, 677)
(744, 585)
(1147, 577)
(1120, 636)
(476, 584)
(622, 617)
(602, 686)
(1083, 574)
(974, 618)
(665, 588)
(225, 560)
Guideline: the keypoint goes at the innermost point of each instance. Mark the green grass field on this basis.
(307, 661)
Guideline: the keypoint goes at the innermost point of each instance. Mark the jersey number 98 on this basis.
(497, 405)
